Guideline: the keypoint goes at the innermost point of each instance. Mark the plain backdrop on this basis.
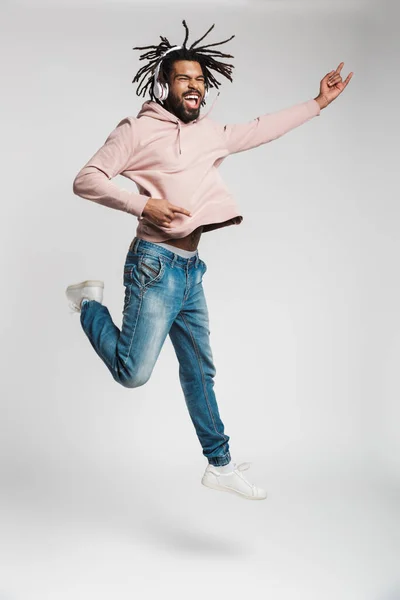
(100, 485)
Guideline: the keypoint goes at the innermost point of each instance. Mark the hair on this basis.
(206, 56)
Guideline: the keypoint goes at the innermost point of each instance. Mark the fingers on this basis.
(178, 209)
(349, 76)
(167, 219)
(328, 76)
(164, 212)
(334, 79)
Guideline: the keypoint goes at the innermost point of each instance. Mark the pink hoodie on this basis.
(167, 158)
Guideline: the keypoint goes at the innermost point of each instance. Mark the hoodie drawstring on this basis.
(157, 111)
(179, 137)
(202, 117)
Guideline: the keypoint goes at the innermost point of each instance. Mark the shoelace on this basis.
(242, 466)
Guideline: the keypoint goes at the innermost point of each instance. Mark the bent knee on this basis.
(134, 381)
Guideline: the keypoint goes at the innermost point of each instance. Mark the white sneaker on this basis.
(234, 482)
(91, 290)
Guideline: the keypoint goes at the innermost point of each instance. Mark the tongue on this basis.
(191, 101)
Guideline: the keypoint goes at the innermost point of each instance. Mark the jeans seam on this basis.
(188, 288)
(224, 437)
(109, 365)
(129, 296)
(134, 330)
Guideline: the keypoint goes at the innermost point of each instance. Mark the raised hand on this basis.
(331, 86)
(160, 212)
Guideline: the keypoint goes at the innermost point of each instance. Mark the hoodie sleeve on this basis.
(268, 127)
(93, 180)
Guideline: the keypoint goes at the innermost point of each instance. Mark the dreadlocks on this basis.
(206, 56)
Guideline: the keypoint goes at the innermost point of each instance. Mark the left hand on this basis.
(332, 85)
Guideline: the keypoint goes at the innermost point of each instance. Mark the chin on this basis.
(191, 116)
(179, 110)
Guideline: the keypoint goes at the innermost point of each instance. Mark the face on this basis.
(186, 90)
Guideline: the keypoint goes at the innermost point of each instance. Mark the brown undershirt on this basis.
(189, 242)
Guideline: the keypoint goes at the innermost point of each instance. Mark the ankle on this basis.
(225, 468)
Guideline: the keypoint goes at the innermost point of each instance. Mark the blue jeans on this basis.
(163, 295)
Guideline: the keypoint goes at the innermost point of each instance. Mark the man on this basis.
(172, 154)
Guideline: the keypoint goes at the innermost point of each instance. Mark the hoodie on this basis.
(167, 158)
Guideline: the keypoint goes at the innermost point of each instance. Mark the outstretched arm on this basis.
(271, 126)
(93, 180)
(244, 136)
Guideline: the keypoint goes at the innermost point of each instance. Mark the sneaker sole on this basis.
(231, 491)
(88, 283)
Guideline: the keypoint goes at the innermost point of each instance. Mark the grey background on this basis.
(99, 485)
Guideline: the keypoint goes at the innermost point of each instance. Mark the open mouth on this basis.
(192, 100)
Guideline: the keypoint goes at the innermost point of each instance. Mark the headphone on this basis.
(161, 90)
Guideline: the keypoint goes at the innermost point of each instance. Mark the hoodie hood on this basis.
(153, 109)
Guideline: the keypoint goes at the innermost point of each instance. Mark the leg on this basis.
(190, 337)
(131, 353)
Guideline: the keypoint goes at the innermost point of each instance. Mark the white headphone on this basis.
(161, 90)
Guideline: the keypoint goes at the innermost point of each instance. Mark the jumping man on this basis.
(173, 154)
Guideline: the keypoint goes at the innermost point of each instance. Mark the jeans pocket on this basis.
(150, 269)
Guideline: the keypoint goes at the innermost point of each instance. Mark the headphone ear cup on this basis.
(165, 88)
(206, 93)
(160, 90)
(157, 89)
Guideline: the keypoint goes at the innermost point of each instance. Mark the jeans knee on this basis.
(133, 381)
